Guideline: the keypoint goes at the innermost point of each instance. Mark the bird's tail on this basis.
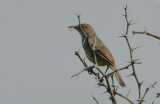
(118, 76)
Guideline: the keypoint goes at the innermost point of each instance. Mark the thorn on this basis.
(132, 62)
(110, 98)
(145, 29)
(141, 101)
(117, 88)
(99, 85)
(78, 15)
(131, 37)
(133, 32)
(136, 59)
(138, 63)
(136, 48)
(130, 22)
(77, 53)
(123, 15)
(140, 83)
(132, 49)
(158, 94)
(128, 92)
(153, 84)
(128, 61)
(133, 23)
(121, 36)
(129, 75)
(125, 7)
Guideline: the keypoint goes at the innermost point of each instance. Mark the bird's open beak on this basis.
(71, 27)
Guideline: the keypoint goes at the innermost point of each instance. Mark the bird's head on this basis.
(84, 29)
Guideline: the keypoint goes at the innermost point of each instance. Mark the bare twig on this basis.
(146, 33)
(87, 68)
(78, 16)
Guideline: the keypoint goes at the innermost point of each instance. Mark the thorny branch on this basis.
(145, 93)
(126, 67)
(113, 91)
(146, 33)
(133, 62)
(125, 97)
(131, 52)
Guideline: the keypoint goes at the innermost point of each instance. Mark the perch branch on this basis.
(89, 69)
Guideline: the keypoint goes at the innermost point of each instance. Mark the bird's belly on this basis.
(90, 56)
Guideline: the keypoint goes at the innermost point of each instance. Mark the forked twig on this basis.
(146, 91)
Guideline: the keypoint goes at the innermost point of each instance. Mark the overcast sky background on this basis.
(37, 49)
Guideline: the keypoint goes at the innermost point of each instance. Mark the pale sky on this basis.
(37, 49)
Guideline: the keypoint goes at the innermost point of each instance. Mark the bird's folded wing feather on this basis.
(101, 49)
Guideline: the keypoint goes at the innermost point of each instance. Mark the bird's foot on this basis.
(90, 71)
(101, 80)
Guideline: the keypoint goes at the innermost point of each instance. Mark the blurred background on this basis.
(37, 50)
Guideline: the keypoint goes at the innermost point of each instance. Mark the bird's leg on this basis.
(101, 80)
(107, 69)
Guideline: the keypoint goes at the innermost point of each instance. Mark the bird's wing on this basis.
(99, 47)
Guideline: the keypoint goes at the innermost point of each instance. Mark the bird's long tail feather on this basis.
(118, 76)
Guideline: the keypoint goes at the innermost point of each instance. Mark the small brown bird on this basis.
(90, 43)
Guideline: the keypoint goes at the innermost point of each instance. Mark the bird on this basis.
(92, 45)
